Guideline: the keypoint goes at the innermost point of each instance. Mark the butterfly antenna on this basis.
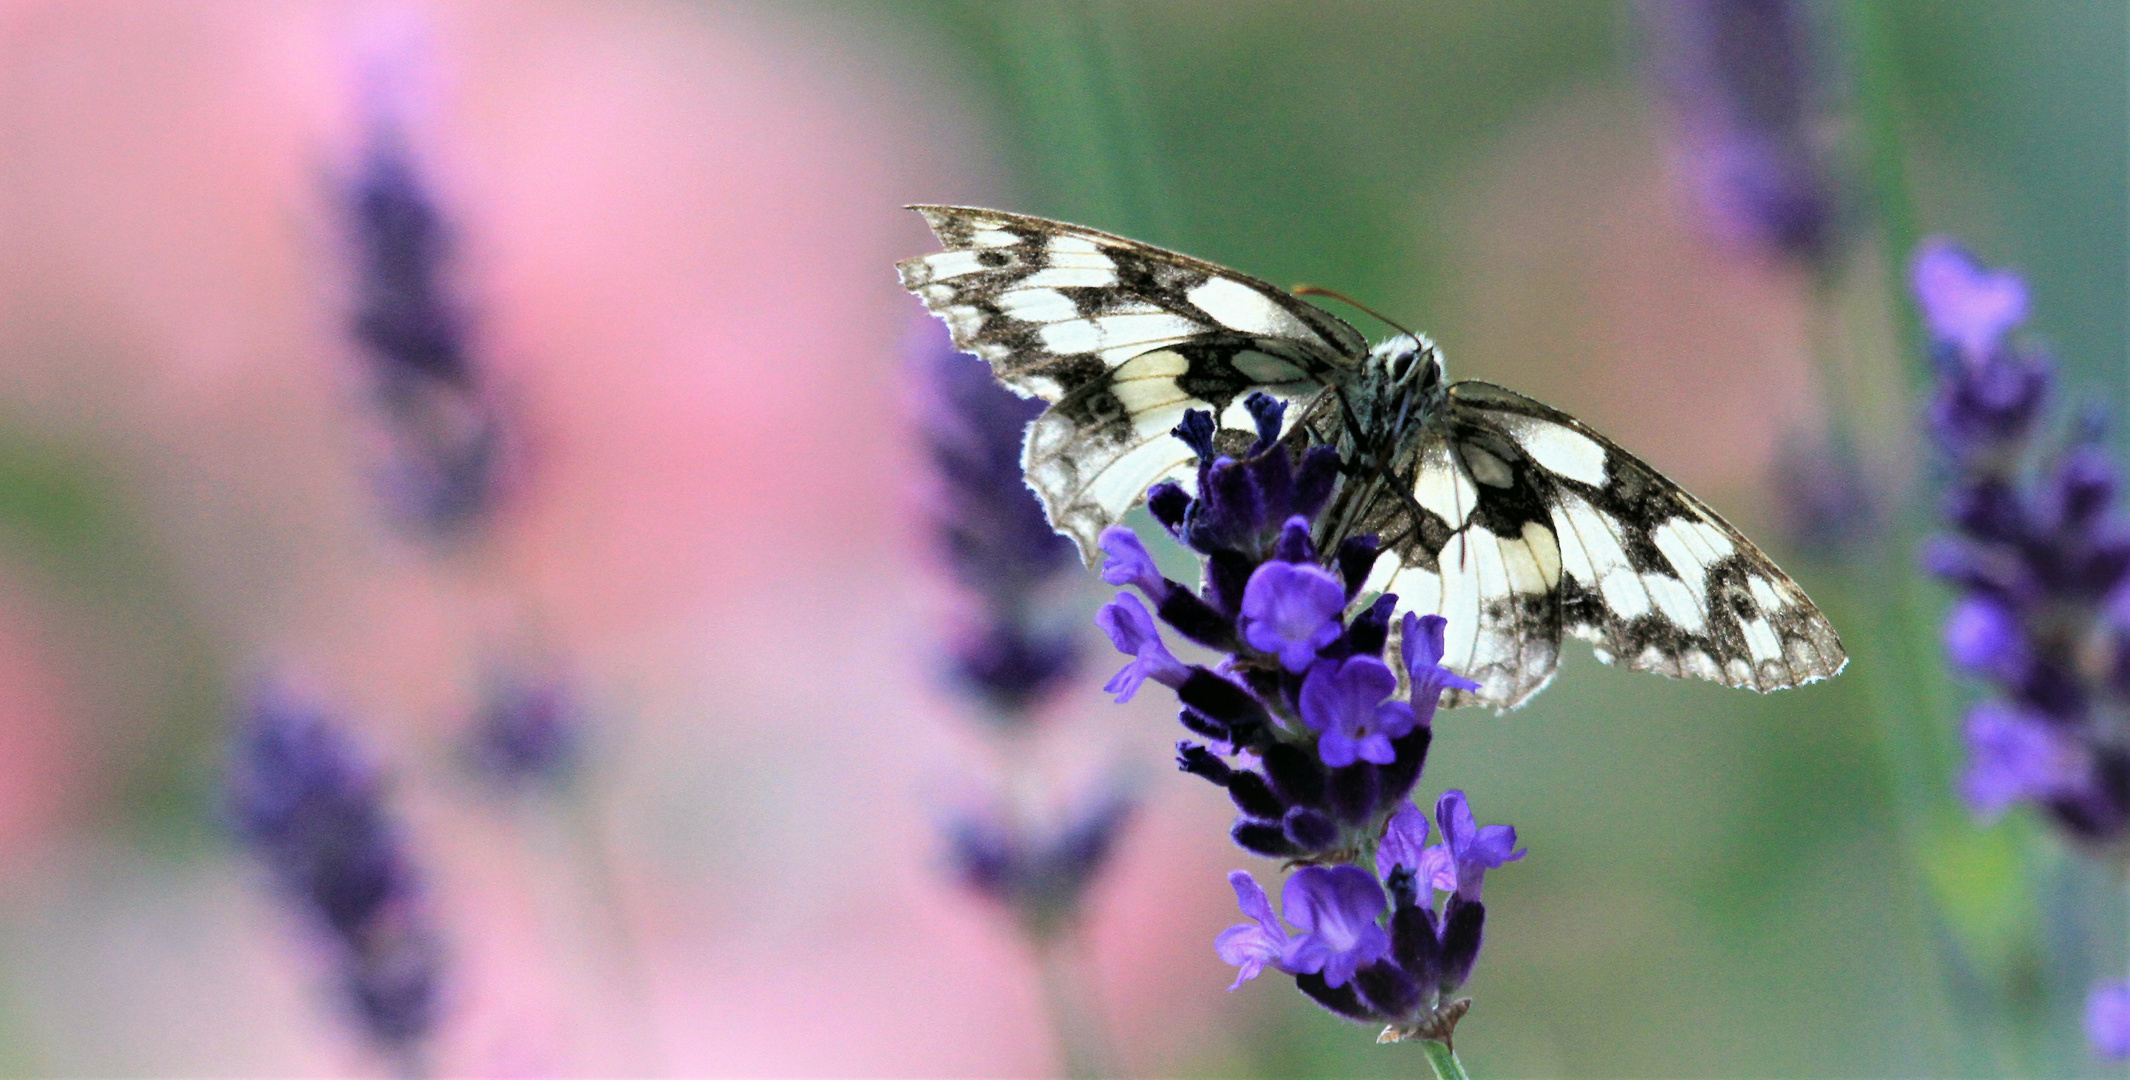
(1318, 290)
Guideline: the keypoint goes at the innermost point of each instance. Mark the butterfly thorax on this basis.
(1376, 420)
(1400, 390)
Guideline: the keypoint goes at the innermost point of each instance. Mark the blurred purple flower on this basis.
(1963, 304)
(311, 808)
(2040, 558)
(2108, 1020)
(1754, 91)
(1830, 505)
(403, 313)
(1041, 878)
(2014, 755)
(528, 730)
(1982, 636)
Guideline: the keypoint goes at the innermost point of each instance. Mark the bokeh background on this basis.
(675, 227)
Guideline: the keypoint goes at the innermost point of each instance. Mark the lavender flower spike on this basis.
(1343, 700)
(1131, 628)
(1753, 87)
(1336, 909)
(1252, 946)
(1460, 863)
(1328, 734)
(990, 531)
(1040, 874)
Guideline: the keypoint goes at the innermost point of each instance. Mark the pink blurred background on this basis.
(677, 224)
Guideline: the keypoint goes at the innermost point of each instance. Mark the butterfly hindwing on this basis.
(1123, 338)
(1532, 525)
(1475, 543)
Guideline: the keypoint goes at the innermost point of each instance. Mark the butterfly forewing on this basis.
(1123, 338)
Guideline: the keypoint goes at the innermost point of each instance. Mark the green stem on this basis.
(1443, 1060)
(1067, 998)
(622, 951)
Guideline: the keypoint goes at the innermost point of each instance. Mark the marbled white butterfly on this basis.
(1514, 520)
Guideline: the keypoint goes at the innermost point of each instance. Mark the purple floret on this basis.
(1404, 841)
(2013, 755)
(1131, 628)
(1420, 646)
(1255, 945)
(1292, 610)
(1468, 850)
(1336, 909)
(1127, 562)
(1983, 636)
(1344, 702)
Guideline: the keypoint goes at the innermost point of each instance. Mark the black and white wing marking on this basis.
(1122, 338)
(1528, 524)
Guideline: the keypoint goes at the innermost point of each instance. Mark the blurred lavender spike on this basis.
(1828, 501)
(1754, 91)
(2040, 557)
(310, 806)
(990, 530)
(1042, 879)
(445, 431)
(529, 732)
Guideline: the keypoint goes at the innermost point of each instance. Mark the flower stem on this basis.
(1067, 998)
(1443, 1060)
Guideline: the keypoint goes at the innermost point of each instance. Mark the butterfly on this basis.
(1514, 520)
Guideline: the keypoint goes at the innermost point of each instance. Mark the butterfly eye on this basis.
(1401, 365)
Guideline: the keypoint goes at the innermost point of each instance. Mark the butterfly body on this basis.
(1514, 520)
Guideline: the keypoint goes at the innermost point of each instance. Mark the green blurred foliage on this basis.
(65, 520)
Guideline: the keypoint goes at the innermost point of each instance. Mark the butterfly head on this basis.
(1409, 363)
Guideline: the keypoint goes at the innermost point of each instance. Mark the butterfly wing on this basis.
(1122, 338)
(1525, 524)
